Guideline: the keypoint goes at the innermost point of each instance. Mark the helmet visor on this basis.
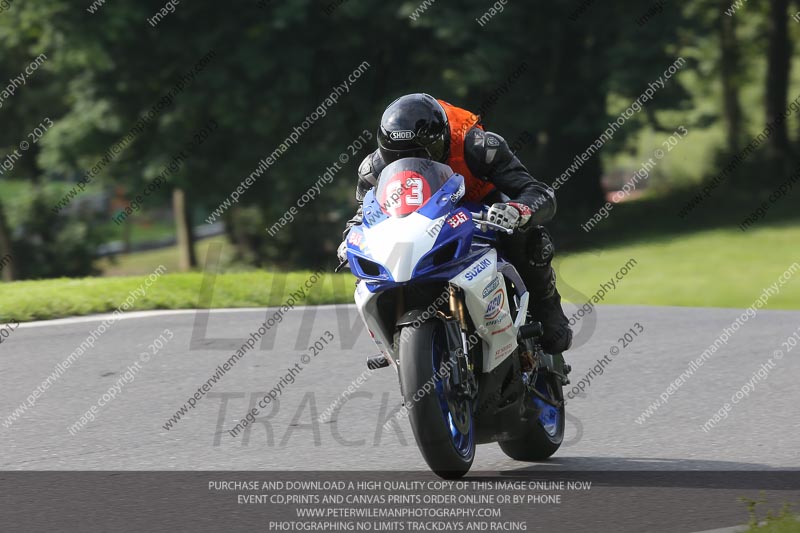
(392, 155)
(435, 149)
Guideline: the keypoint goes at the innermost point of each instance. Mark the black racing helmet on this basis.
(414, 125)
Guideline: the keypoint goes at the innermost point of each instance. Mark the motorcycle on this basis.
(451, 316)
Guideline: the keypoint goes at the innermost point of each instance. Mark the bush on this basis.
(50, 245)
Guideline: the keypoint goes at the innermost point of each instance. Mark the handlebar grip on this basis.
(480, 219)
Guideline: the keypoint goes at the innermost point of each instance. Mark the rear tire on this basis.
(540, 437)
(443, 430)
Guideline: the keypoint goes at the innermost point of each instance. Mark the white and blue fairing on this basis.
(414, 230)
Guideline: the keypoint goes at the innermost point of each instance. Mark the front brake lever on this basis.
(479, 217)
(340, 267)
(485, 225)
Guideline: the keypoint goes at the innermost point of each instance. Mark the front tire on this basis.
(442, 424)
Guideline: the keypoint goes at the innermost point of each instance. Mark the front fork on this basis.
(462, 375)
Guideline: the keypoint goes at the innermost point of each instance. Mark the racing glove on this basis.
(341, 252)
(512, 215)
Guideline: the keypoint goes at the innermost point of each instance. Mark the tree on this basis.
(187, 259)
(5, 247)
(777, 82)
(730, 67)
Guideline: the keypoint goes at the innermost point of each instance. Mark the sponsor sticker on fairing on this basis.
(495, 305)
(355, 238)
(491, 286)
(459, 194)
(477, 269)
(457, 219)
(505, 350)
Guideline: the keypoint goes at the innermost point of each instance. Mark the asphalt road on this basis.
(760, 432)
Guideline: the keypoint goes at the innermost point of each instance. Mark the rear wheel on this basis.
(542, 435)
(440, 419)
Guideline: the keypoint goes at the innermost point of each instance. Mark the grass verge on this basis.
(55, 298)
(714, 268)
(785, 524)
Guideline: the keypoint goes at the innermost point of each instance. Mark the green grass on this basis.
(713, 268)
(38, 300)
(142, 263)
(786, 524)
(783, 521)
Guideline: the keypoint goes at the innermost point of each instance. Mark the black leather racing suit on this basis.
(530, 249)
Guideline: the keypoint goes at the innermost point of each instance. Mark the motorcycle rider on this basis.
(494, 176)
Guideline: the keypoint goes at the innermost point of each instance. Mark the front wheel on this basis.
(440, 419)
(542, 435)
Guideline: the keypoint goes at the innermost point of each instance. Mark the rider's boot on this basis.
(557, 335)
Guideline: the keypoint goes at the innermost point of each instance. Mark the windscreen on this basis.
(407, 184)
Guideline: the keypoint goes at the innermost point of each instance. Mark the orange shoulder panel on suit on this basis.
(461, 121)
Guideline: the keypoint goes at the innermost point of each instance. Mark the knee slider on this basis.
(540, 247)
